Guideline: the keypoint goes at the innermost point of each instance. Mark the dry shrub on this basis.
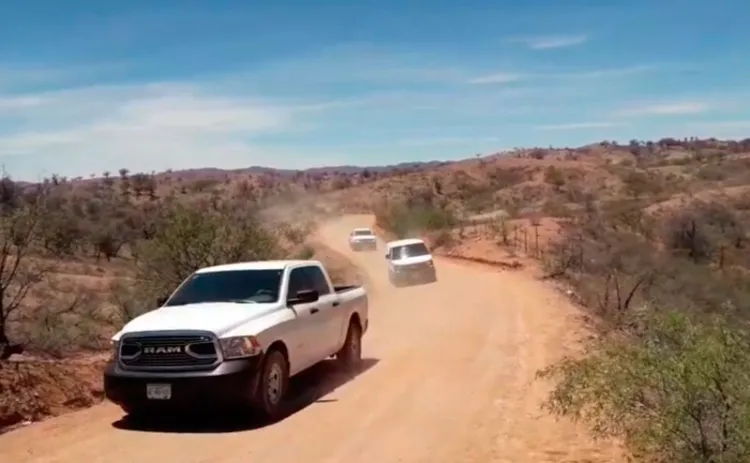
(663, 374)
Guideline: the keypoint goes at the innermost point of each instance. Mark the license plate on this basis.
(159, 391)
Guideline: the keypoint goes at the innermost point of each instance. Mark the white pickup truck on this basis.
(362, 238)
(233, 335)
(410, 261)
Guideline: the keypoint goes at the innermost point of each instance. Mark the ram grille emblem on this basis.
(163, 350)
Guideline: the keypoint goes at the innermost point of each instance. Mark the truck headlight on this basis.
(240, 347)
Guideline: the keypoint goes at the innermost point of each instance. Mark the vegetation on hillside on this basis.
(55, 238)
(653, 239)
(80, 259)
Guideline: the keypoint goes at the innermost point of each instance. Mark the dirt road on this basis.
(450, 378)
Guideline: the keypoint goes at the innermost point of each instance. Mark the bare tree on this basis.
(20, 233)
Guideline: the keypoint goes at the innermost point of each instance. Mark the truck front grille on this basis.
(168, 351)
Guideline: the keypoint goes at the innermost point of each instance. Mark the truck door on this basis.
(309, 327)
(333, 309)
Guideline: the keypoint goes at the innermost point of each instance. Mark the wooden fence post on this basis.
(525, 240)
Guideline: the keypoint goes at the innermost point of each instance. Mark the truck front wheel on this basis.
(272, 385)
(350, 355)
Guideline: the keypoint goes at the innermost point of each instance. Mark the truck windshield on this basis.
(230, 286)
(410, 250)
(362, 233)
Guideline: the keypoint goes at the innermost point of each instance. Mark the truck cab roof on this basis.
(260, 265)
(405, 242)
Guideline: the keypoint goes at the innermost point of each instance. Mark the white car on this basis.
(233, 335)
(362, 238)
(410, 261)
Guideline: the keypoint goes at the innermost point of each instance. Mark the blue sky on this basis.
(155, 84)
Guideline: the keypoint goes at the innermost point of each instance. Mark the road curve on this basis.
(449, 378)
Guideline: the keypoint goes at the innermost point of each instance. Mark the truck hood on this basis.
(412, 260)
(216, 317)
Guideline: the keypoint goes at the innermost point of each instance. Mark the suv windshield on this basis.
(230, 286)
(410, 250)
(362, 233)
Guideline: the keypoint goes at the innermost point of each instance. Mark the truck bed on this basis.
(344, 288)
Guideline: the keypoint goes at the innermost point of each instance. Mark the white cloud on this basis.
(729, 129)
(579, 126)
(13, 103)
(16, 76)
(206, 122)
(609, 72)
(732, 129)
(551, 41)
(446, 141)
(190, 112)
(339, 106)
(361, 63)
(666, 109)
(732, 124)
(497, 78)
(145, 127)
(505, 77)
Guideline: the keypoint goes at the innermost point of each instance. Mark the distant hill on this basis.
(210, 172)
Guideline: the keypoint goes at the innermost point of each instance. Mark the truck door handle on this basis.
(336, 304)
(314, 310)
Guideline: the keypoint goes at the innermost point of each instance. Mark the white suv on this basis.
(361, 239)
(410, 261)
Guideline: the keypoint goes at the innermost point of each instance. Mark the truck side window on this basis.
(299, 281)
(319, 282)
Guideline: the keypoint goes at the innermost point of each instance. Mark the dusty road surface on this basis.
(450, 378)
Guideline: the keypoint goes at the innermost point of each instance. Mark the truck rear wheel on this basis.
(272, 385)
(350, 355)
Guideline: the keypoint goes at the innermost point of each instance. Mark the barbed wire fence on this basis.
(526, 238)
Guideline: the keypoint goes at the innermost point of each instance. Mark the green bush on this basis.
(404, 219)
(678, 390)
(189, 238)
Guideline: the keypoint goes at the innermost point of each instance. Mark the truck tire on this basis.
(271, 386)
(350, 355)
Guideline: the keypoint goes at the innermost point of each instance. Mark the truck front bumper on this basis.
(364, 245)
(229, 384)
(414, 274)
